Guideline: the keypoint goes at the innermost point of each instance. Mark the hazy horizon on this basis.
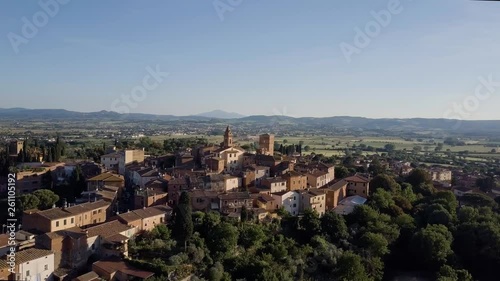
(255, 58)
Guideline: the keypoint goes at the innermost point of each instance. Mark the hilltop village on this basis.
(128, 196)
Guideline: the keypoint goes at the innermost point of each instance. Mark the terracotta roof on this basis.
(215, 158)
(357, 179)
(338, 185)
(281, 193)
(315, 191)
(129, 217)
(107, 177)
(197, 193)
(265, 198)
(139, 214)
(107, 229)
(178, 181)
(113, 266)
(156, 183)
(275, 180)
(148, 172)
(292, 174)
(55, 213)
(27, 255)
(235, 196)
(318, 173)
(87, 207)
(117, 238)
(91, 276)
(112, 155)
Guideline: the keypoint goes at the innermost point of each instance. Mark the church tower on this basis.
(228, 138)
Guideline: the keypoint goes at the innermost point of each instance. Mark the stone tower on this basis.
(228, 138)
(266, 144)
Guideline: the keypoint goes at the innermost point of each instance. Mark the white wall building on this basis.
(232, 183)
(35, 265)
(289, 200)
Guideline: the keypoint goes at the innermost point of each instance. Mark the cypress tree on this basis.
(183, 221)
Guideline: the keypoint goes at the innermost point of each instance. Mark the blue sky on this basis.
(262, 57)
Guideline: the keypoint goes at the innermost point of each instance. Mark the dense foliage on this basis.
(398, 231)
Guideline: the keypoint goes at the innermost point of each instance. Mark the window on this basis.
(94, 212)
(46, 267)
(72, 220)
(27, 273)
(64, 222)
(100, 211)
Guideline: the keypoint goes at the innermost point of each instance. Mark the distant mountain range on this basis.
(491, 127)
(220, 114)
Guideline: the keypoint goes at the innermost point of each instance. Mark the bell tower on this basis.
(228, 138)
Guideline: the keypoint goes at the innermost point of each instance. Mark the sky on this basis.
(423, 58)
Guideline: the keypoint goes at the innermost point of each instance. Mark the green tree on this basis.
(245, 215)
(311, 224)
(341, 172)
(486, 184)
(29, 201)
(251, 235)
(448, 273)
(160, 232)
(46, 197)
(217, 273)
(389, 147)
(385, 182)
(375, 243)
(77, 182)
(222, 241)
(418, 177)
(477, 200)
(183, 222)
(350, 268)
(334, 226)
(432, 245)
